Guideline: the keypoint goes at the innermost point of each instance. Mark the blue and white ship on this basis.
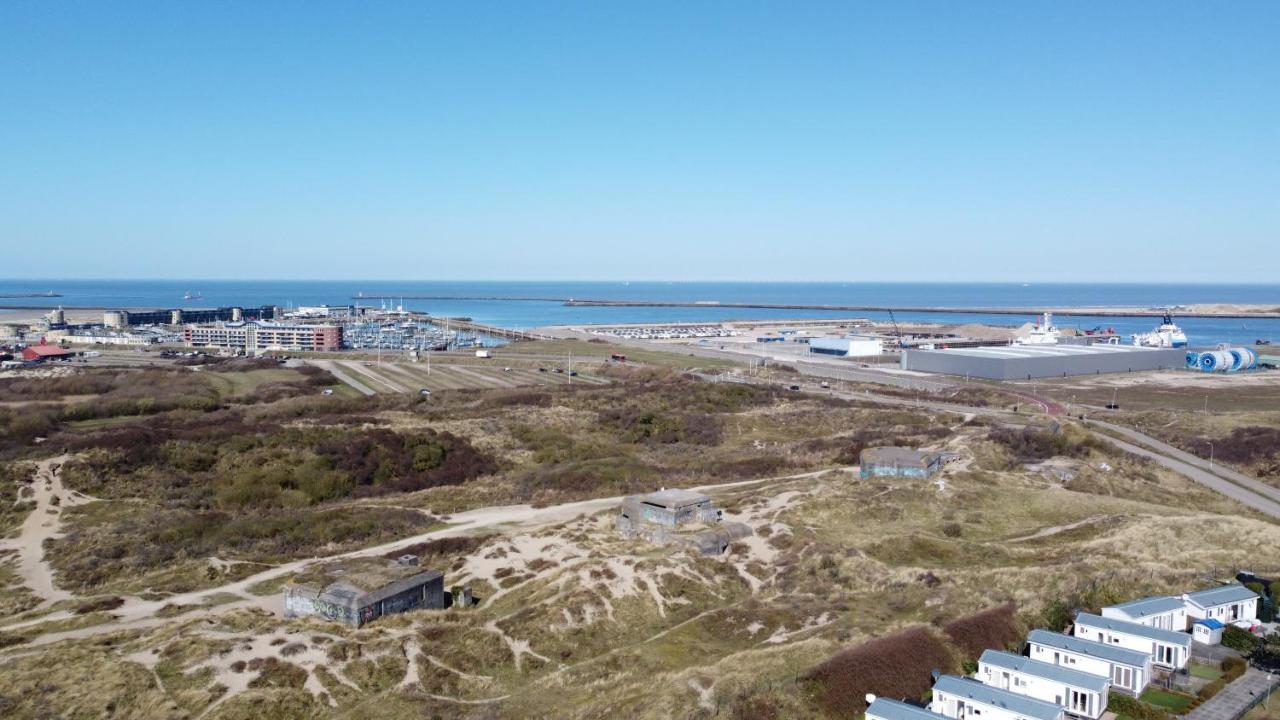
(1167, 335)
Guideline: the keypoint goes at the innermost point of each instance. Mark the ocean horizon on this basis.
(492, 301)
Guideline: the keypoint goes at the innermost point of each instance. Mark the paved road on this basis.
(1236, 698)
(1258, 502)
(1186, 457)
(333, 369)
(1248, 491)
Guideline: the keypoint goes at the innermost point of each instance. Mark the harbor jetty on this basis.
(1273, 313)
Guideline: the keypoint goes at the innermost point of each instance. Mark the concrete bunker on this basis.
(682, 518)
(360, 590)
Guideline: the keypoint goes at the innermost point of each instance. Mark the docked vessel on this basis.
(1042, 333)
(1167, 335)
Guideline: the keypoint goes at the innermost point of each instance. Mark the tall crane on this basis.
(897, 332)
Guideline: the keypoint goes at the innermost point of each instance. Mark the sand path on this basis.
(139, 614)
(44, 523)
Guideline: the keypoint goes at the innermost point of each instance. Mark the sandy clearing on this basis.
(140, 614)
(44, 523)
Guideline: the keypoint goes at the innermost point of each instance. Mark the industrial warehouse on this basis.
(1024, 362)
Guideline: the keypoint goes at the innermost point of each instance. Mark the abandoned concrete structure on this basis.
(675, 517)
(898, 462)
(358, 591)
(670, 508)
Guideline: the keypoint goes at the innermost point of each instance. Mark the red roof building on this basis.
(45, 352)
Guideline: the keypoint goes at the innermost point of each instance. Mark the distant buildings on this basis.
(132, 338)
(359, 591)
(178, 316)
(255, 336)
(1023, 362)
(42, 353)
(849, 346)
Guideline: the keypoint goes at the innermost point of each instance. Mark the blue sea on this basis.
(491, 301)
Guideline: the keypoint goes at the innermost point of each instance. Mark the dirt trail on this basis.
(1045, 532)
(44, 523)
(138, 614)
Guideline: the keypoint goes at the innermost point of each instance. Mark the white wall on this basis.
(1085, 663)
(1089, 703)
(1247, 610)
(1136, 642)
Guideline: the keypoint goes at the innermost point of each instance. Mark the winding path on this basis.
(44, 523)
(140, 614)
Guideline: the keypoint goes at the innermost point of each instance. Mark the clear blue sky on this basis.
(1121, 141)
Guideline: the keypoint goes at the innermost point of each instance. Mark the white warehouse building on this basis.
(1082, 694)
(967, 699)
(849, 346)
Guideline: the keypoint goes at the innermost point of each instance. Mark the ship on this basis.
(1167, 335)
(188, 295)
(1042, 333)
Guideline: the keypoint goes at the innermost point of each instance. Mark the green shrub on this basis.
(1212, 688)
(1239, 639)
(1233, 667)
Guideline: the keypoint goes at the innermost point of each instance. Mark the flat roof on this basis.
(1133, 628)
(1048, 671)
(1080, 646)
(364, 575)
(1221, 595)
(1010, 352)
(1144, 607)
(1211, 623)
(995, 697)
(887, 709)
(902, 454)
(674, 497)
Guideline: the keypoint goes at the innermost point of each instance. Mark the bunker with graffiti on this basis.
(360, 590)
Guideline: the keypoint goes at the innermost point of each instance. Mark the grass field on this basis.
(1173, 702)
(1205, 672)
(576, 622)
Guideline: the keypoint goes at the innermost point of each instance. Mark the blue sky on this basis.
(1135, 141)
